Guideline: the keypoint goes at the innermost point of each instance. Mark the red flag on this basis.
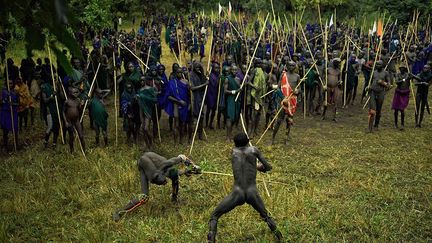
(291, 104)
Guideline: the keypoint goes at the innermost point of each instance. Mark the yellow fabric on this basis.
(25, 99)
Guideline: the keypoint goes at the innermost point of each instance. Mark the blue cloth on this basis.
(5, 111)
(180, 91)
(212, 91)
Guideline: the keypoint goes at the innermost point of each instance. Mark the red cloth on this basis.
(291, 105)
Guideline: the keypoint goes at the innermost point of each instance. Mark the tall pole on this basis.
(204, 98)
(253, 55)
(10, 107)
(346, 72)
(115, 98)
(55, 90)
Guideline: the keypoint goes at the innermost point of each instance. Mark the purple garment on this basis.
(400, 99)
(180, 91)
(162, 97)
(211, 98)
(418, 66)
(5, 112)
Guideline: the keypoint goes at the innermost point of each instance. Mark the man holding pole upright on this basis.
(9, 114)
(380, 82)
(198, 82)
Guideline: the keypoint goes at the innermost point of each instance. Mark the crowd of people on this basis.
(267, 71)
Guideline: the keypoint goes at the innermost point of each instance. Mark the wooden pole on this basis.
(148, 58)
(10, 107)
(253, 55)
(346, 72)
(141, 61)
(310, 52)
(204, 98)
(115, 99)
(89, 93)
(326, 63)
(55, 97)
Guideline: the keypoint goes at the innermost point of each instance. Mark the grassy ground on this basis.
(342, 185)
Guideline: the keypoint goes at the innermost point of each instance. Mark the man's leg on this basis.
(48, 130)
(396, 118)
(379, 103)
(136, 201)
(418, 101)
(422, 107)
(257, 203)
(97, 132)
(402, 120)
(228, 203)
(279, 121)
(372, 110)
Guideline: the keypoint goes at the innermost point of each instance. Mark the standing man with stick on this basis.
(380, 82)
(9, 114)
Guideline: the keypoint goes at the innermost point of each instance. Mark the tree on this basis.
(43, 21)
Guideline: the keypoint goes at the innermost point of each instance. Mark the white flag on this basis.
(229, 7)
(374, 29)
(331, 21)
(220, 9)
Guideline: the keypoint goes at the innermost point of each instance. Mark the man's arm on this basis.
(173, 161)
(201, 86)
(260, 157)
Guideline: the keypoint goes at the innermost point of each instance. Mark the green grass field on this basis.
(341, 185)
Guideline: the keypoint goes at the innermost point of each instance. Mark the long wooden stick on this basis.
(139, 59)
(253, 55)
(10, 107)
(55, 90)
(148, 58)
(412, 89)
(326, 62)
(225, 174)
(115, 99)
(346, 73)
(373, 67)
(204, 98)
(89, 93)
(311, 54)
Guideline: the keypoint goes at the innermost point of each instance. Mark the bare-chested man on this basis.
(72, 110)
(380, 83)
(332, 89)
